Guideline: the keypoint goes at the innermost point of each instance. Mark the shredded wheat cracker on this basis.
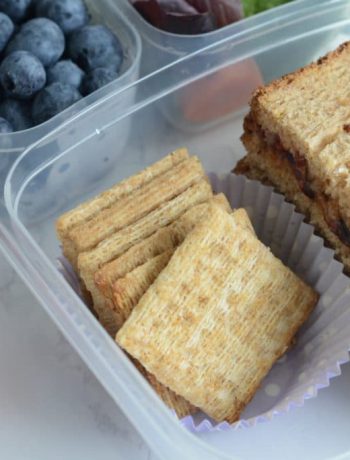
(217, 317)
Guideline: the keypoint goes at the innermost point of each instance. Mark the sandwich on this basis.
(297, 137)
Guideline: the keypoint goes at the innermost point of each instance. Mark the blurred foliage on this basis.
(257, 6)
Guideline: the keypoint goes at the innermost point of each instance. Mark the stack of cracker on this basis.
(119, 241)
(202, 307)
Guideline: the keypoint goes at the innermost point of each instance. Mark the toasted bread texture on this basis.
(308, 113)
(217, 317)
(307, 108)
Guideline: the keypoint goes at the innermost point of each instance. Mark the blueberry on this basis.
(66, 72)
(5, 126)
(16, 9)
(17, 113)
(70, 15)
(52, 100)
(39, 4)
(96, 79)
(95, 46)
(6, 30)
(22, 75)
(39, 36)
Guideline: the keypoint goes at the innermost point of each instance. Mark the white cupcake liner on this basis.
(323, 342)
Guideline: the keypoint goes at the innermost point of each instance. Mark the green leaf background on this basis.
(256, 6)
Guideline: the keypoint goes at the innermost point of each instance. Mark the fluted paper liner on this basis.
(324, 341)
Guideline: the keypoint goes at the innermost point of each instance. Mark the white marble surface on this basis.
(52, 407)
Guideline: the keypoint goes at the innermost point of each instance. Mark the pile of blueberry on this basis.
(50, 57)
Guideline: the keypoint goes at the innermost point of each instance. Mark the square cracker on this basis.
(128, 290)
(133, 207)
(171, 399)
(217, 317)
(165, 238)
(91, 261)
(91, 208)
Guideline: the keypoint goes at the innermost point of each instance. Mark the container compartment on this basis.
(103, 12)
(75, 151)
(205, 103)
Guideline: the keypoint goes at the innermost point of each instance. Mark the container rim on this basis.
(154, 30)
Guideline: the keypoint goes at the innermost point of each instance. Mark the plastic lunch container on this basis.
(102, 12)
(276, 41)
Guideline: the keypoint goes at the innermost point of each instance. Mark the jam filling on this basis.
(298, 163)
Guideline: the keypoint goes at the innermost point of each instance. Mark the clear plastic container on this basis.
(301, 31)
(161, 48)
(211, 95)
(103, 12)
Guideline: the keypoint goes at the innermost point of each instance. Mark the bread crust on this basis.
(286, 80)
(305, 117)
(309, 112)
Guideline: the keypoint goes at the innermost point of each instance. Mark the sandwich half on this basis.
(297, 136)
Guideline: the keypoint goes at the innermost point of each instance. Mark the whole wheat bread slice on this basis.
(307, 114)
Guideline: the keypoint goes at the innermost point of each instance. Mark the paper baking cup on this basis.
(323, 342)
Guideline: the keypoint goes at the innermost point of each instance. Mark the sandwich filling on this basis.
(298, 166)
